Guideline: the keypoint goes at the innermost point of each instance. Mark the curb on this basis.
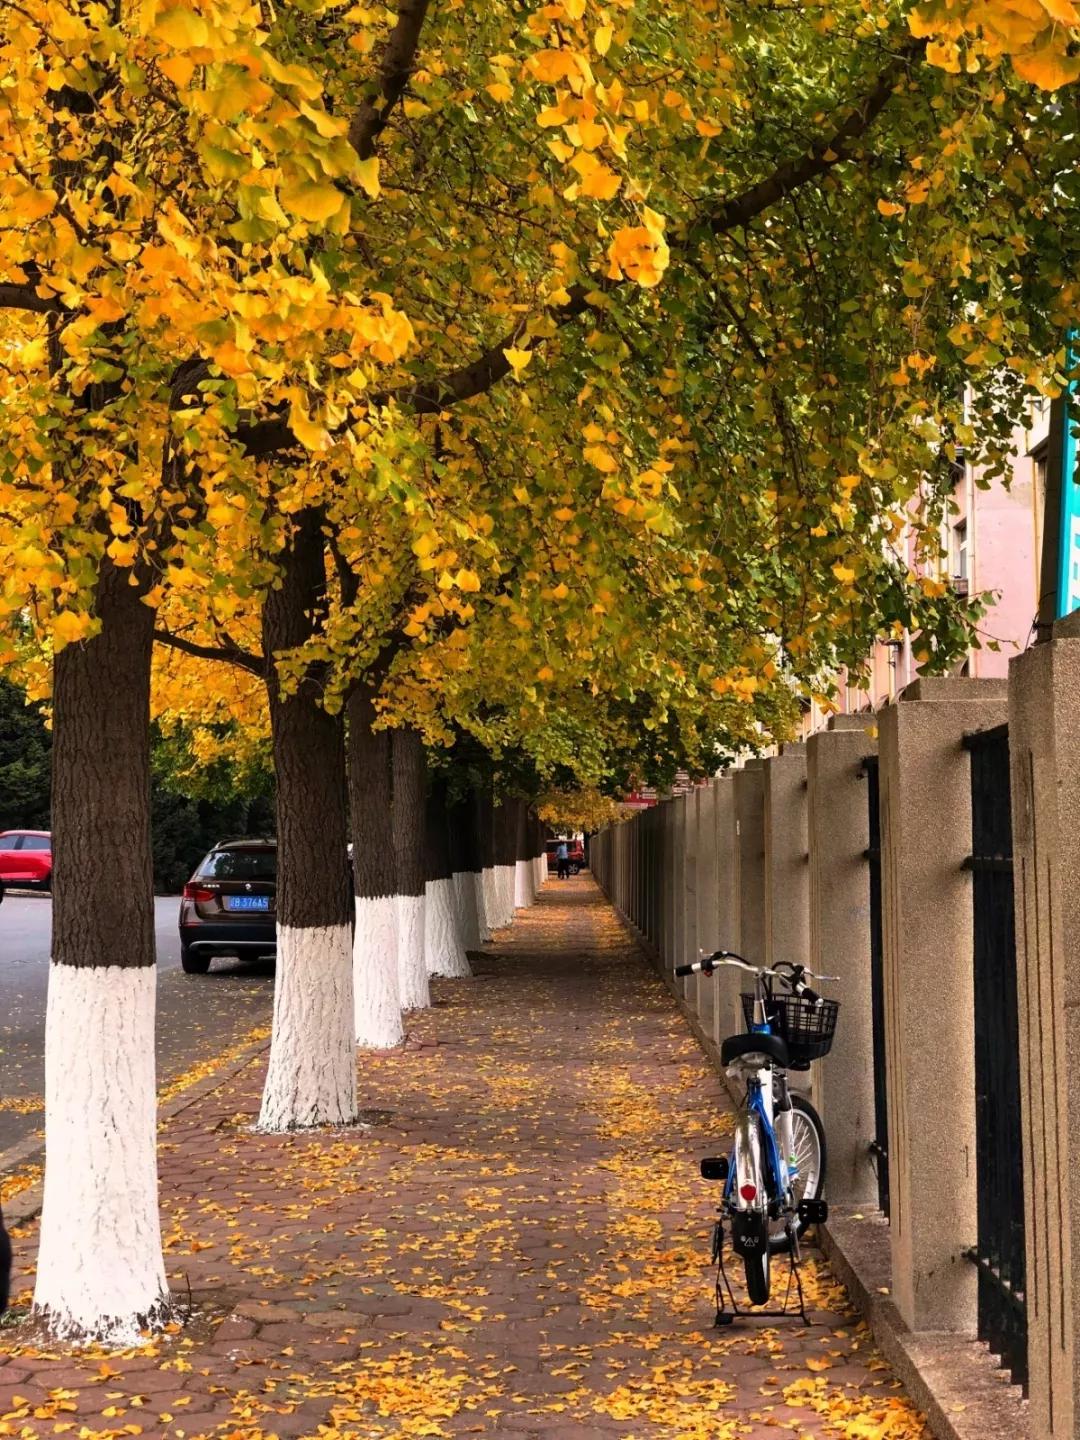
(26, 1205)
(952, 1378)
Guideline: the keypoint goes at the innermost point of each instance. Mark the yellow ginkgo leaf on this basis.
(601, 184)
(1049, 68)
(311, 200)
(181, 28)
(517, 359)
(367, 173)
(600, 459)
(68, 626)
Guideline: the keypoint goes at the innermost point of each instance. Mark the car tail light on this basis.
(199, 893)
(748, 1192)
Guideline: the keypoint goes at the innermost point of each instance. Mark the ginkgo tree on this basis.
(635, 274)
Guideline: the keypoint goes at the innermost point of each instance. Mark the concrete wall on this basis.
(929, 1004)
(1044, 744)
(786, 857)
(839, 944)
(739, 840)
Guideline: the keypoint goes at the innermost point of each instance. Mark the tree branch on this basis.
(230, 655)
(25, 297)
(274, 436)
(786, 179)
(394, 72)
(426, 397)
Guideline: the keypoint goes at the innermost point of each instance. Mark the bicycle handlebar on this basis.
(791, 975)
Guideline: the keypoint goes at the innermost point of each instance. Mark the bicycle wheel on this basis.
(756, 1258)
(808, 1143)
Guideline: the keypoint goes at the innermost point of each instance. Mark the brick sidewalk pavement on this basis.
(515, 1248)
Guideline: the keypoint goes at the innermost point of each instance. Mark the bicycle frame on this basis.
(751, 1162)
(748, 1166)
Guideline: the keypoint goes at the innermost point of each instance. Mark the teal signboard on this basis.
(1068, 590)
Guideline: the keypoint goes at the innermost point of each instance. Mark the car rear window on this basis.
(239, 865)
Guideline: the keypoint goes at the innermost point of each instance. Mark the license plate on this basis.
(247, 902)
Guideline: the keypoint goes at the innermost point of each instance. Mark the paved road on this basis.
(197, 1017)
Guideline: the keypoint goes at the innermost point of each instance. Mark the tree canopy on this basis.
(619, 348)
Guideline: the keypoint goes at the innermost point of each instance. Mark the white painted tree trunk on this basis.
(468, 920)
(444, 951)
(412, 968)
(540, 868)
(491, 899)
(100, 1268)
(376, 991)
(506, 893)
(480, 895)
(523, 887)
(311, 1078)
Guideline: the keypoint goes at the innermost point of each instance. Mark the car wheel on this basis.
(192, 962)
(575, 869)
(45, 883)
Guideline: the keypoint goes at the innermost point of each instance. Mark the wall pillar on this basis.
(725, 983)
(688, 897)
(929, 1004)
(678, 890)
(838, 824)
(749, 937)
(1044, 746)
(672, 878)
(786, 868)
(707, 938)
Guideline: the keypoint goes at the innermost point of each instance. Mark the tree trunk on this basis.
(523, 873)
(484, 812)
(466, 867)
(311, 1079)
(410, 774)
(444, 948)
(100, 1268)
(540, 853)
(377, 992)
(505, 862)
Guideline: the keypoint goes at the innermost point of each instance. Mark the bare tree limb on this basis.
(230, 655)
(394, 72)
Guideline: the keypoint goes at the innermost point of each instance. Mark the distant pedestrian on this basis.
(563, 856)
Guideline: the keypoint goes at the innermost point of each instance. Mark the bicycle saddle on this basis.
(750, 1044)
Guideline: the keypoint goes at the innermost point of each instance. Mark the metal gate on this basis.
(879, 1148)
(999, 1251)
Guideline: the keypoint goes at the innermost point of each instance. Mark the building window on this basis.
(959, 556)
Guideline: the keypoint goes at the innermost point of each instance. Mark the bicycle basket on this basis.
(808, 1026)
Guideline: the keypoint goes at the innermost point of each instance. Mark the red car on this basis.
(26, 858)
(575, 853)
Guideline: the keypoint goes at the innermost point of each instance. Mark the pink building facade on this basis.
(991, 545)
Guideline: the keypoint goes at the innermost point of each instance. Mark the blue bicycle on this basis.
(774, 1178)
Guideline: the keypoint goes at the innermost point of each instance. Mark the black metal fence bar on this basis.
(880, 1146)
(999, 1250)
